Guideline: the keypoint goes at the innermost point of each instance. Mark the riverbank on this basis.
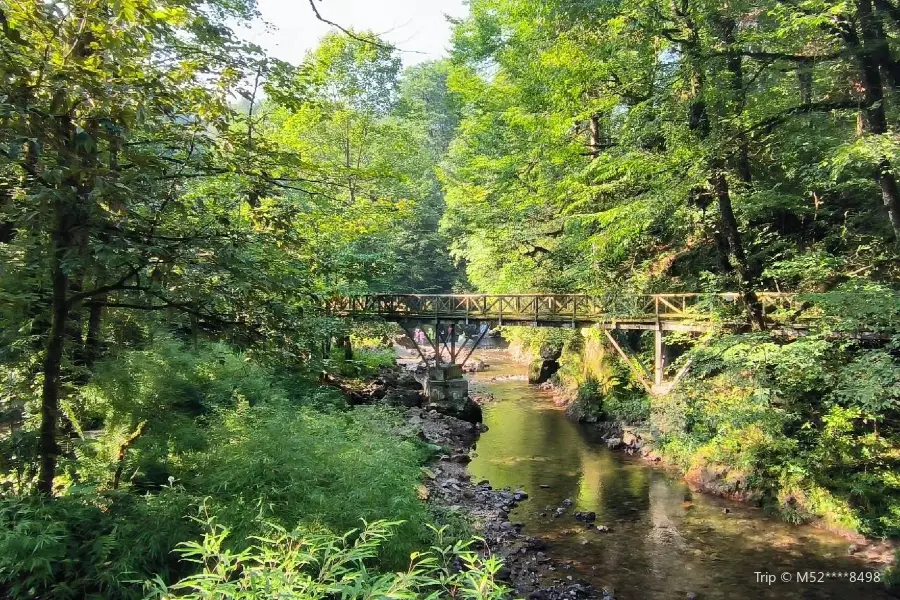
(725, 441)
(531, 571)
(528, 569)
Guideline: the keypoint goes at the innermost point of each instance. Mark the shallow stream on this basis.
(665, 542)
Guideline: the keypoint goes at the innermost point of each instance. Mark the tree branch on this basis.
(349, 33)
(784, 115)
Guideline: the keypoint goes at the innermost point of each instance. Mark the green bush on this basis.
(183, 428)
(176, 392)
(814, 423)
(89, 546)
(306, 564)
(365, 363)
(298, 465)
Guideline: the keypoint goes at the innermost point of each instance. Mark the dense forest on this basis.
(176, 206)
(628, 147)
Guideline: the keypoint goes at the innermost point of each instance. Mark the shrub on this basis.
(299, 465)
(89, 546)
(206, 427)
(306, 564)
(814, 422)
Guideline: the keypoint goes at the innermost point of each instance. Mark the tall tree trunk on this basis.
(735, 67)
(700, 123)
(872, 27)
(52, 365)
(866, 47)
(732, 233)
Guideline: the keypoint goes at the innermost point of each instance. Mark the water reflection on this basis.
(664, 540)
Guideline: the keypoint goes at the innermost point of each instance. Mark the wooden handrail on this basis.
(546, 307)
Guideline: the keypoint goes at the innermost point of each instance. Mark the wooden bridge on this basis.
(654, 312)
(667, 312)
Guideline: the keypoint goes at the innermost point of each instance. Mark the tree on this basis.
(109, 111)
(660, 145)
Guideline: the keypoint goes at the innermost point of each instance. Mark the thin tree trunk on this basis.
(92, 341)
(594, 129)
(805, 81)
(347, 345)
(52, 365)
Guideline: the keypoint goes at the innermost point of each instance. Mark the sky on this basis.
(417, 27)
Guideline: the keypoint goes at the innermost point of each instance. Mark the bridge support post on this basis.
(659, 357)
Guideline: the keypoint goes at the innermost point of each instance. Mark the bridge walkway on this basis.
(688, 312)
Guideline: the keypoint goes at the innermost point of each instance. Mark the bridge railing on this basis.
(554, 307)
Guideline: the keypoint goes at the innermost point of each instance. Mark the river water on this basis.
(665, 542)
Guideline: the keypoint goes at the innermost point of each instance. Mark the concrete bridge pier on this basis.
(445, 388)
(445, 384)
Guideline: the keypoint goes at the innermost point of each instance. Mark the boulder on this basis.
(402, 397)
(541, 370)
(613, 443)
(550, 352)
(630, 439)
(408, 381)
(586, 516)
(464, 409)
(475, 366)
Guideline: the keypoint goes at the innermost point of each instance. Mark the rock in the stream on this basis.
(475, 366)
(630, 439)
(613, 443)
(587, 516)
(520, 495)
(465, 409)
(567, 502)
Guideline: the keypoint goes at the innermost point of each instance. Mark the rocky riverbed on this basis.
(528, 568)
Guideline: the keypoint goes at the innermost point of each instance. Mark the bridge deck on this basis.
(685, 312)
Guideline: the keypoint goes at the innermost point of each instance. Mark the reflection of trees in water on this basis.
(526, 446)
(657, 548)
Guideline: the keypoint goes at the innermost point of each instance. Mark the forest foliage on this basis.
(634, 147)
(174, 208)
(175, 205)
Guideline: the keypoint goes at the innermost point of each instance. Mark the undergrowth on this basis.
(301, 563)
(170, 432)
(811, 426)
